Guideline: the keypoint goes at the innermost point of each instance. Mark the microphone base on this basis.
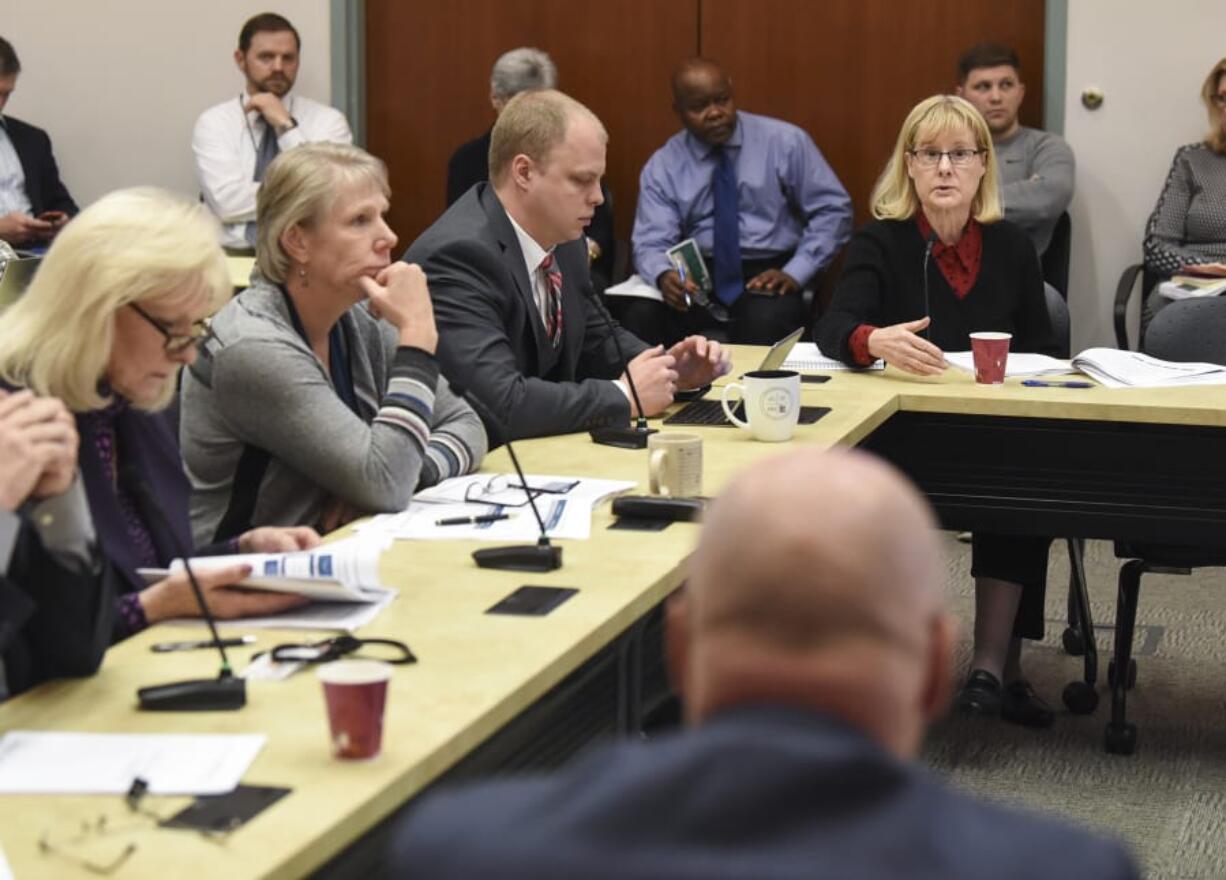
(195, 695)
(521, 557)
(633, 437)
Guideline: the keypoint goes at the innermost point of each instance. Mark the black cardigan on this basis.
(883, 284)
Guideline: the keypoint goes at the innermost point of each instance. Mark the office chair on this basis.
(1055, 259)
(1123, 296)
(1081, 697)
(1186, 330)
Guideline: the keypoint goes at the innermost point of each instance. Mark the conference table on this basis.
(491, 692)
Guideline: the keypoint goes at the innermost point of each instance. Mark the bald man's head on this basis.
(811, 566)
(703, 99)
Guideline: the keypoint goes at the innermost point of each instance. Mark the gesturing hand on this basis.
(699, 361)
(654, 379)
(900, 346)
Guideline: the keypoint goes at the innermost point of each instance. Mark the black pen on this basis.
(1039, 383)
(237, 642)
(472, 520)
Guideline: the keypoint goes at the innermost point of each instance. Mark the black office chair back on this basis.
(1057, 309)
(1189, 330)
(1055, 260)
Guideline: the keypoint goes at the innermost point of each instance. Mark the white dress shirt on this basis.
(534, 255)
(225, 142)
(12, 177)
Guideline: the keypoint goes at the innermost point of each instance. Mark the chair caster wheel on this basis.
(1130, 682)
(1080, 697)
(1121, 738)
(1074, 642)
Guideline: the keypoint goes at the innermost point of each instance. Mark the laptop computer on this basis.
(16, 278)
(711, 412)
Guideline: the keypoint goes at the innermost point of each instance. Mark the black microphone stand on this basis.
(932, 240)
(624, 437)
(541, 556)
(226, 691)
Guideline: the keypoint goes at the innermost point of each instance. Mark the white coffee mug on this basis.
(771, 402)
(674, 465)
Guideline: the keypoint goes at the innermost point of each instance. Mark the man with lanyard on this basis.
(235, 141)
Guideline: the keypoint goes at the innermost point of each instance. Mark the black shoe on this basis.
(1021, 705)
(981, 695)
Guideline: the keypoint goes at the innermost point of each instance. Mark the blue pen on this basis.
(1039, 383)
(681, 273)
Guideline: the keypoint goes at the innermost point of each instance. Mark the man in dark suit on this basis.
(34, 203)
(811, 660)
(55, 593)
(518, 322)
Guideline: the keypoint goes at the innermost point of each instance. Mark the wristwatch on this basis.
(282, 129)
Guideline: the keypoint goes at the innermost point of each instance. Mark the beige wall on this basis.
(1150, 60)
(118, 84)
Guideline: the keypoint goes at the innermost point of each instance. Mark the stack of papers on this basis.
(342, 571)
(341, 577)
(1019, 364)
(806, 357)
(38, 762)
(1131, 369)
(565, 503)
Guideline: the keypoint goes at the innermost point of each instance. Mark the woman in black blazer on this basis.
(938, 214)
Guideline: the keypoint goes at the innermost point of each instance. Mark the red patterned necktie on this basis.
(553, 308)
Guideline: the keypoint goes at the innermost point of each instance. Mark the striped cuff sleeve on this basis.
(449, 456)
(409, 401)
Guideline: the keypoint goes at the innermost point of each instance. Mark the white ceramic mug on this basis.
(772, 404)
(674, 465)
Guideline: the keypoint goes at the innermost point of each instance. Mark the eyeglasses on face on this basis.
(930, 158)
(174, 343)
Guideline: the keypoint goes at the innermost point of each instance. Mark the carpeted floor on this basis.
(1168, 800)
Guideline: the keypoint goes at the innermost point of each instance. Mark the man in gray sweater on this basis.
(1036, 167)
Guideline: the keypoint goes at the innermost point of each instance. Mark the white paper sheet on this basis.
(1018, 364)
(806, 357)
(52, 762)
(6, 873)
(566, 515)
(635, 286)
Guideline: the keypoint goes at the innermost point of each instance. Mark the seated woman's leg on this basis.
(1010, 586)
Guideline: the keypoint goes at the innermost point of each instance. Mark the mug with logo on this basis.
(770, 404)
(674, 465)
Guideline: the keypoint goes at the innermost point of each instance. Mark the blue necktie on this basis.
(269, 148)
(729, 280)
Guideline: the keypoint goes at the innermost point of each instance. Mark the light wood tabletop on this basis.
(476, 672)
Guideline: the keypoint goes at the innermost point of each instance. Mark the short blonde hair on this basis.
(894, 195)
(130, 246)
(532, 124)
(300, 187)
(1216, 138)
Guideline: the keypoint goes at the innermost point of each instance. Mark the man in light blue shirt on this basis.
(786, 217)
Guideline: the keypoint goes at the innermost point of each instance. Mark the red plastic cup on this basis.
(355, 692)
(990, 351)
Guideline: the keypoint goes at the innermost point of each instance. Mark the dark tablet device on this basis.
(532, 601)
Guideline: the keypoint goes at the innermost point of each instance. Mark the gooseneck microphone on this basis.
(932, 240)
(624, 437)
(226, 691)
(541, 556)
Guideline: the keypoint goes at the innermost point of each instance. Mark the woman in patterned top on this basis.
(1188, 226)
(116, 308)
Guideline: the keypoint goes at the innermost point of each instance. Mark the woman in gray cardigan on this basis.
(318, 398)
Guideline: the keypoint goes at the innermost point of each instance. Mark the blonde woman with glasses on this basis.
(937, 264)
(119, 305)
